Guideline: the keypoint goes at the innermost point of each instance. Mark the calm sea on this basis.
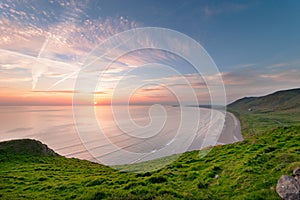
(113, 135)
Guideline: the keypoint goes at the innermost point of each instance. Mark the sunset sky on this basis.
(44, 44)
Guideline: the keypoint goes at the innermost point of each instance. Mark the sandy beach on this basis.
(232, 130)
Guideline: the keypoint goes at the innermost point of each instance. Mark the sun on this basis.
(95, 103)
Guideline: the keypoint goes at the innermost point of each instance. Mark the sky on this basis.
(45, 45)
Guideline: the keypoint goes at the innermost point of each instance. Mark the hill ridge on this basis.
(283, 100)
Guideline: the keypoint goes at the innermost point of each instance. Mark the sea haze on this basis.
(141, 132)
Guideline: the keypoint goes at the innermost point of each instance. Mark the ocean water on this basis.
(119, 134)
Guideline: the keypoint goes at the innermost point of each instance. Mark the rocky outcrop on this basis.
(25, 147)
(288, 187)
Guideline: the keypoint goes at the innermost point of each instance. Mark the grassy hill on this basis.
(259, 114)
(246, 170)
(281, 101)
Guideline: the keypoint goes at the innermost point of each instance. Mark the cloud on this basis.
(56, 91)
(37, 71)
(13, 59)
(237, 78)
(291, 75)
(18, 65)
(13, 80)
(69, 30)
(278, 65)
(193, 80)
(54, 37)
(199, 85)
(150, 89)
(261, 80)
(253, 81)
(221, 8)
(99, 92)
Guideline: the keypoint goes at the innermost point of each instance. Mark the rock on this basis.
(26, 147)
(288, 188)
(296, 171)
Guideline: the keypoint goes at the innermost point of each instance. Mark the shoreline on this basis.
(231, 131)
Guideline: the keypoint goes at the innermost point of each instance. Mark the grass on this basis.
(257, 123)
(286, 101)
(246, 170)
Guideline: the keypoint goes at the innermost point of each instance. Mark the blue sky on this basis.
(255, 45)
(233, 32)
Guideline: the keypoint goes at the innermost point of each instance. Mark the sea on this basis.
(117, 135)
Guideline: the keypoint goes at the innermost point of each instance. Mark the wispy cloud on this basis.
(37, 71)
(221, 8)
(14, 80)
(54, 38)
(13, 62)
(245, 82)
(100, 92)
(150, 89)
(56, 91)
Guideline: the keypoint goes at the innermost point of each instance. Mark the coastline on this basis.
(232, 130)
(230, 133)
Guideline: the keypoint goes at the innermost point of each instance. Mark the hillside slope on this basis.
(285, 100)
(259, 114)
(246, 170)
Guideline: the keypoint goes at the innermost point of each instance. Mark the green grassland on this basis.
(247, 170)
(279, 109)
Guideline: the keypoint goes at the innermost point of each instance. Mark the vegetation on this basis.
(285, 101)
(244, 170)
(259, 114)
